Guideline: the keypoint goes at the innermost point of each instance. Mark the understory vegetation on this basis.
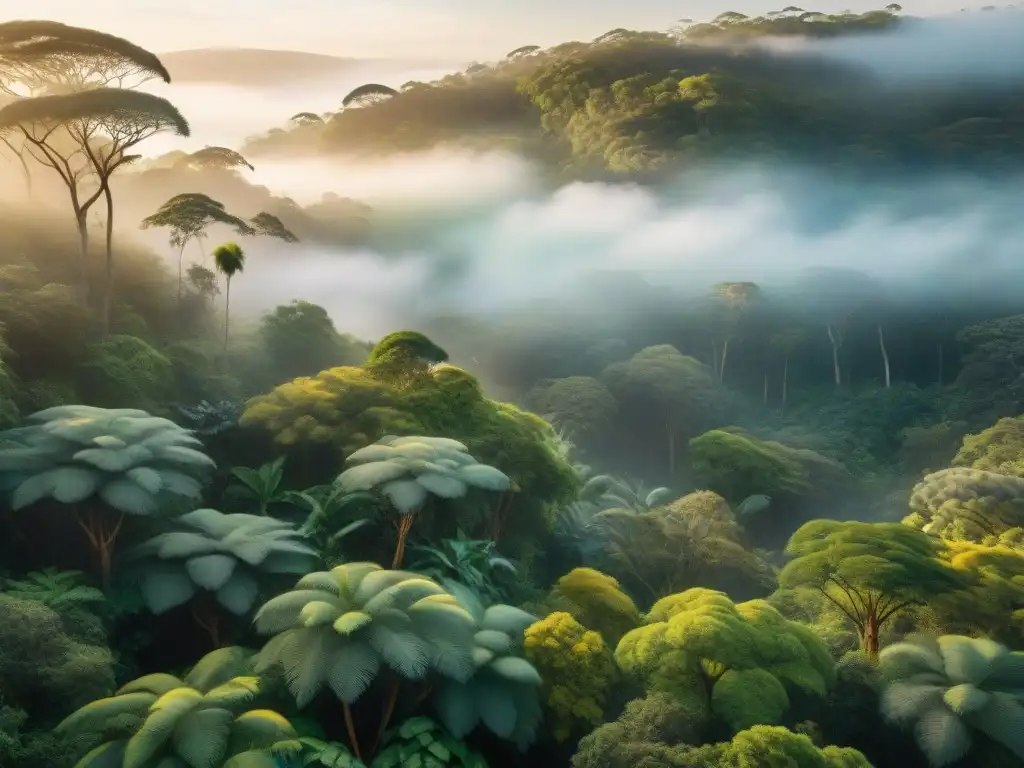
(757, 529)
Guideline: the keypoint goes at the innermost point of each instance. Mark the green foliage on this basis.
(409, 469)
(43, 669)
(870, 571)
(349, 408)
(59, 590)
(203, 719)
(345, 408)
(993, 602)
(24, 747)
(503, 692)
(694, 540)
(260, 486)
(227, 555)
(337, 628)
(229, 258)
(577, 669)
(331, 516)
(596, 601)
(467, 561)
(998, 449)
(421, 743)
(300, 340)
(404, 353)
(581, 405)
(650, 732)
(738, 465)
(963, 503)
(317, 752)
(660, 386)
(126, 372)
(732, 662)
(132, 461)
(950, 687)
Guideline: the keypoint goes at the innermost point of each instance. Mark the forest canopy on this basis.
(750, 525)
(646, 104)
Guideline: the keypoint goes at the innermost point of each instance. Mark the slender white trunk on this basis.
(885, 357)
(834, 338)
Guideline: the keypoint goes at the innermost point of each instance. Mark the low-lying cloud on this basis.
(920, 237)
(969, 45)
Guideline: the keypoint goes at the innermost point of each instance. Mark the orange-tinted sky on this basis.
(471, 29)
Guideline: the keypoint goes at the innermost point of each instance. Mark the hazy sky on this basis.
(480, 29)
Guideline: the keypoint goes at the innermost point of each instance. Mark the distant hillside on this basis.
(255, 67)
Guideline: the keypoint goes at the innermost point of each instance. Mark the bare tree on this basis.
(85, 136)
(46, 59)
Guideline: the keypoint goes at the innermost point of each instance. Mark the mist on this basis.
(923, 237)
(226, 115)
(458, 232)
(967, 45)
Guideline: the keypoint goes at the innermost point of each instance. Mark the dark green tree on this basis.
(230, 260)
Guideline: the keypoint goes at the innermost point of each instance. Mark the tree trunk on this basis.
(84, 287)
(350, 726)
(404, 526)
(227, 313)
(869, 637)
(785, 380)
(725, 355)
(885, 357)
(108, 277)
(834, 339)
(181, 257)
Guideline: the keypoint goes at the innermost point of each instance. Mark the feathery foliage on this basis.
(950, 687)
(223, 554)
(503, 692)
(408, 470)
(201, 721)
(131, 460)
(337, 628)
(59, 590)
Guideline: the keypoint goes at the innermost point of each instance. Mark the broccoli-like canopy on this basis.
(726, 661)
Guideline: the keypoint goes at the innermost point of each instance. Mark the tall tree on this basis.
(268, 225)
(50, 58)
(736, 298)
(870, 571)
(188, 216)
(103, 125)
(230, 260)
(220, 158)
(367, 95)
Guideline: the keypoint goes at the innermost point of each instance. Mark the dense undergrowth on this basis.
(748, 531)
